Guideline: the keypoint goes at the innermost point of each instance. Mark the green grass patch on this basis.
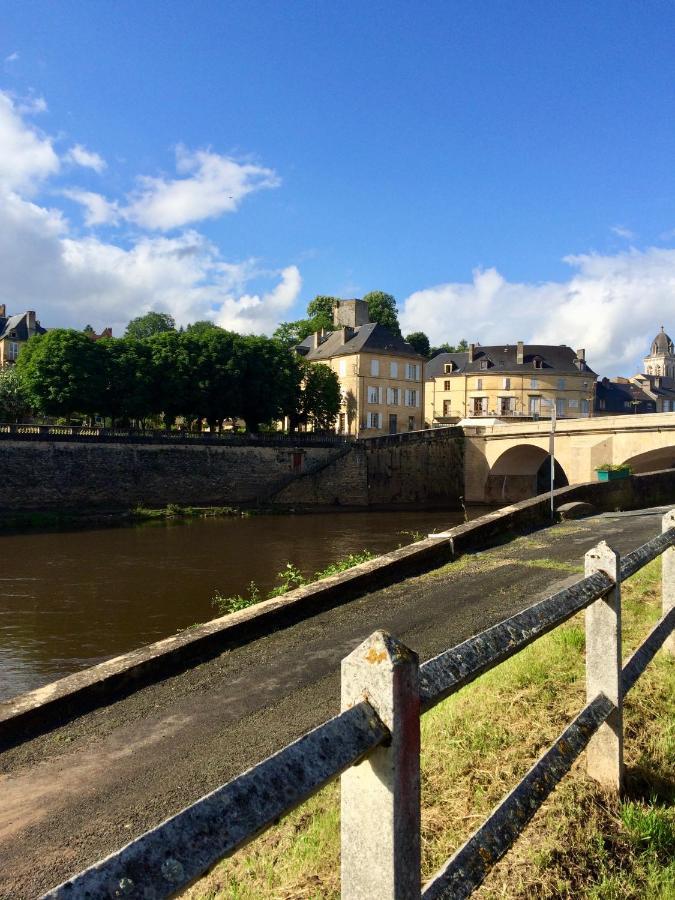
(289, 579)
(475, 747)
(175, 511)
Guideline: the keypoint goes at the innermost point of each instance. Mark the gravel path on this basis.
(80, 792)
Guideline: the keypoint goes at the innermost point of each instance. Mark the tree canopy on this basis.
(382, 309)
(149, 324)
(461, 347)
(14, 399)
(420, 342)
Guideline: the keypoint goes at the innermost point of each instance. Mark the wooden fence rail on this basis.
(384, 691)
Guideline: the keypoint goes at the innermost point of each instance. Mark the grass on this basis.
(290, 578)
(475, 747)
(175, 511)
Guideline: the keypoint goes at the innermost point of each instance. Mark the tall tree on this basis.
(270, 378)
(149, 324)
(63, 372)
(382, 309)
(127, 389)
(289, 334)
(321, 396)
(320, 311)
(201, 326)
(420, 342)
(14, 399)
(216, 383)
(171, 389)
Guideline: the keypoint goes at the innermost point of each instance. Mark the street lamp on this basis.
(551, 450)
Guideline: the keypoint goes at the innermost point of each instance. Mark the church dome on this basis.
(662, 344)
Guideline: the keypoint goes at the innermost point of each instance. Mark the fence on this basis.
(93, 434)
(384, 691)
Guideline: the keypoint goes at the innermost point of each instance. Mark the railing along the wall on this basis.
(94, 434)
(384, 691)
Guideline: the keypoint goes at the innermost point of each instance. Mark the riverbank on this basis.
(475, 747)
(72, 796)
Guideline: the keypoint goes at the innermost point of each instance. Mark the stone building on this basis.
(14, 332)
(661, 359)
(381, 376)
(508, 381)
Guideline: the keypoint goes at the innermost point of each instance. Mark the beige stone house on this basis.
(381, 376)
(14, 332)
(508, 381)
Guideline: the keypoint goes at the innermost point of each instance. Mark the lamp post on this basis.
(551, 451)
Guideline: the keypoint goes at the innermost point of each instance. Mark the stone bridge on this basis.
(507, 463)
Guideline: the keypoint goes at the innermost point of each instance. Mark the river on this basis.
(72, 599)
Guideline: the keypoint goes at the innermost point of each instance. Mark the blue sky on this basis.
(505, 169)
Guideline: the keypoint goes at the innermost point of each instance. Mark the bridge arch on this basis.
(652, 460)
(521, 472)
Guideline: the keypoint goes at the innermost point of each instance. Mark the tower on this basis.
(661, 359)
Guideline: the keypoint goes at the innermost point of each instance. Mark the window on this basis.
(534, 405)
(480, 406)
(447, 405)
(559, 406)
(373, 394)
(479, 384)
(534, 383)
(374, 420)
(374, 367)
(507, 384)
(411, 423)
(411, 398)
(12, 351)
(343, 367)
(538, 363)
(561, 384)
(483, 363)
(507, 406)
(574, 404)
(392, 396)
(446, 385)
(393, 370)
(626, 404)
(585, 407)
(411, 371)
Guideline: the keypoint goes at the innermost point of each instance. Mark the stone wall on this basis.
(422, 468)
(48, 475)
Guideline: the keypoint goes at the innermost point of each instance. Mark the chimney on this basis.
(581, 354)
(347, 334)
(3, 310)
(520, 353)
(472, 352)
(30, 322)
(315, 339)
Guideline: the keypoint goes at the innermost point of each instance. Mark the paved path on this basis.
(73, 796)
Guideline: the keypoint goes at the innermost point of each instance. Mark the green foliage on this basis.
(382, 309)
(201, 327)
(610, 467)
(149, 324)
(88, 329)
(461, 347)
(63, 372)
(650, 828)
(420, 342)
(289, 334)
(14, 397)
(321, 397)
(320, 311)
(226, 605)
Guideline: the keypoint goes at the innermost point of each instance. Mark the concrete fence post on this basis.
(604, 755)
(668, 580)
(380, 797)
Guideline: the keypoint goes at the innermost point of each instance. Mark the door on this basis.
(393, 423)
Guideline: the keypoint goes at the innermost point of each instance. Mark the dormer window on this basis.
(538, 362)
(448, 368)
(483, 363)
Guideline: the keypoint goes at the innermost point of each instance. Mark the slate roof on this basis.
(19, 325)
(662, 344)
(502, 358)
(371, 338)
(658, 385)
(615, 395)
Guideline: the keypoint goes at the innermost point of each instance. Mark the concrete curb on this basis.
(40, 710)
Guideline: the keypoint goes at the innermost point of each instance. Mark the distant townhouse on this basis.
(621, 396)
(381, 376)
(658, 379)
(14, 332)
(509, 381)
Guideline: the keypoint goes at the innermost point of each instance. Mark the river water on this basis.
(72, 599)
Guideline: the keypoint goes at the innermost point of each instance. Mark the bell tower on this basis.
(661, 360)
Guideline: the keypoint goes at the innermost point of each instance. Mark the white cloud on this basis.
(214, 185)
(13, 57)
(623, 232)
(98, 210)
(258, 313)
(86, 158)
(611, 305)
(27, 158)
